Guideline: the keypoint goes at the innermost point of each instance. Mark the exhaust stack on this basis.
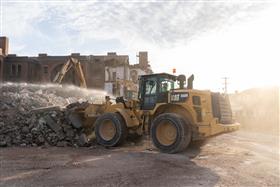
(190, 82)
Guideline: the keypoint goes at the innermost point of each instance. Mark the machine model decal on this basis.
(179, 97)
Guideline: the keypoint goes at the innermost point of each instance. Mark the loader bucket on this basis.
(75, 120)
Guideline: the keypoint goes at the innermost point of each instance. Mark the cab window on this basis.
(151, 87)
(166, 85)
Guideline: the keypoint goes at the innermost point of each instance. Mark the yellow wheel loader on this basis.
(170, 113)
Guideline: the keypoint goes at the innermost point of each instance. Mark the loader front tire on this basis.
(110, 129)
(170, 133)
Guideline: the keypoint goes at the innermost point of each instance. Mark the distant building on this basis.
(101, 71)
(117, 71)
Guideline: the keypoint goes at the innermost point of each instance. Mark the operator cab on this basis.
(154, 89)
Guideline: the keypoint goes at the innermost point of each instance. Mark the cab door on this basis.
(149, 94)
(164, 87)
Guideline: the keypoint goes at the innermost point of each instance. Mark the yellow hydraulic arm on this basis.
(71, 63)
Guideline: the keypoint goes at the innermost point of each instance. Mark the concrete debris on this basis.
(83, 140)
(53, 124)
(31, 115)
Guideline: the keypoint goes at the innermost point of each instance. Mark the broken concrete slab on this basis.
(52, 124)
(3, 144)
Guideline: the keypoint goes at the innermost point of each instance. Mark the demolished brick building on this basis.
(101, 71)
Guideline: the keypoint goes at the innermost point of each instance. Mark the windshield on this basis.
(166, 85)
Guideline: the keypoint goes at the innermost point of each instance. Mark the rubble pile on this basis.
(22, 124)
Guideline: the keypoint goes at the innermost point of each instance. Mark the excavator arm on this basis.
(71, 63)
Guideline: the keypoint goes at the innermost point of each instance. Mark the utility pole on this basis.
(225, 84)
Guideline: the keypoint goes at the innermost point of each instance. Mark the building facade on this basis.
(107, 72)
(121, 77)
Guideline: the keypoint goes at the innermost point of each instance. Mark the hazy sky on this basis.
(238, 39)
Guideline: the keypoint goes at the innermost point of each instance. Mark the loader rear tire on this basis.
(171, 133)
(110, 129)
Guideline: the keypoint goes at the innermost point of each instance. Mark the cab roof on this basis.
(164, 75)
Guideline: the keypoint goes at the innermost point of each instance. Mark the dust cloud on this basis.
(257, 110)
(40, 95)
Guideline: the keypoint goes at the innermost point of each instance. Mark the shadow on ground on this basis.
(100, 167)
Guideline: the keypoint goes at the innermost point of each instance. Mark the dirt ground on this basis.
(235, 159)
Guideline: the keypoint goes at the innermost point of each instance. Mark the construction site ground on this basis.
(235, 159)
